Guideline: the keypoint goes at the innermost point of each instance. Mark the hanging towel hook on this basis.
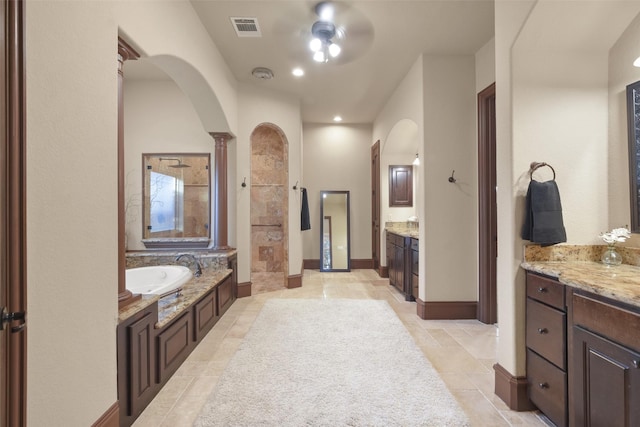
(295, 187)
(244, 182)
(537, 165)
(451, 178)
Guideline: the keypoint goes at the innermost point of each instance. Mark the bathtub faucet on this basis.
(198, 272)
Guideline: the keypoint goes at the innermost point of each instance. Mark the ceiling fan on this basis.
(333, 30)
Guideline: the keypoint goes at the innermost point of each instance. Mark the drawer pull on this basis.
(636, 363)
(543, 385)
(542, 290)
(542, 330)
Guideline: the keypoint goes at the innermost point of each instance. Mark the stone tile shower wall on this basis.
(269, 210)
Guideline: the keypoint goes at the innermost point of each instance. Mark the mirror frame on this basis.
(176, 242)
(322, 197)
(633, 124)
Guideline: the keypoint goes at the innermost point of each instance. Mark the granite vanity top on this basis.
(578, 267)
(402, 229)
(172, 306)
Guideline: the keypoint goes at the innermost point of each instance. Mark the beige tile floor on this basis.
(462, 351)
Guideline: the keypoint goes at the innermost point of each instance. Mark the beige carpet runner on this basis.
(335, 362)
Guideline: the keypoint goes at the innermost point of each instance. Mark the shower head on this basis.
(180, 165)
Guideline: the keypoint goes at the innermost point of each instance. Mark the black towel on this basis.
(305, 223)
(543, 216)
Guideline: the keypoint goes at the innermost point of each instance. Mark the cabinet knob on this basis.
(542, 330)
(543, 385)
(542, 290)
(636, 363)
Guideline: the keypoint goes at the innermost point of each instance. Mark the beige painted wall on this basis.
(403, 110)
(509, 19)
(72, 192)
(450, 220)
(71, 213)
(159, 118)
(337, 157)
(261, 105)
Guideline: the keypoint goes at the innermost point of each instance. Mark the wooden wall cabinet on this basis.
(401, 186)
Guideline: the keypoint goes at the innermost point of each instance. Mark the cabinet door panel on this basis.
(174, 345)
(607, 381)
(206, 316)
(142, 363)
(225, 295)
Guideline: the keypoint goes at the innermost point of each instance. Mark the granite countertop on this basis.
(621, 283)
(172, 306)
(404, 232)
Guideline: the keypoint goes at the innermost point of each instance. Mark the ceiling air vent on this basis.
(246, 27)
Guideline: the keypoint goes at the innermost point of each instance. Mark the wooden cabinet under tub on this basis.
(153, 345)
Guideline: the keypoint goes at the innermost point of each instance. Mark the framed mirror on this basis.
(335, 253)
(176, 200)
(633, 123)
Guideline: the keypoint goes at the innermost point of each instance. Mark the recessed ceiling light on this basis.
(337, 119)
(298, 72)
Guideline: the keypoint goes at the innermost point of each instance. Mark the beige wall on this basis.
(403, 111)
(449, 225)
(260, 105)
(337, 157)
(71, 212)
(159, 118)
(72, 192)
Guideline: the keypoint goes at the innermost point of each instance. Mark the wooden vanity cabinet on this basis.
(415, 267)
(606, 362)
(399, 263)
(546, 337)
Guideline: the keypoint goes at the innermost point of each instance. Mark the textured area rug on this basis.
(333, 362)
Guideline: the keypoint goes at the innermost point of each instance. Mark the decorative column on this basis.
(220, 220)
(125, 52)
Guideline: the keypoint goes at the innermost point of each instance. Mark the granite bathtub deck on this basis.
(172, 306)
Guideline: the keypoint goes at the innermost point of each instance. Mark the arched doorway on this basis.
(269, 209)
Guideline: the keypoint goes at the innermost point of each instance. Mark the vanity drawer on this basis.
(546, 290)
(395, 239)
(415, 245)
(547, 388)
(546, 332)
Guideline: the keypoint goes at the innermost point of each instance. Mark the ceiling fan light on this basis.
(334, 50)
(315, 44)
(319, 56)
(325, 11)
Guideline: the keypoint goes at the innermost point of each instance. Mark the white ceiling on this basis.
(383, 40)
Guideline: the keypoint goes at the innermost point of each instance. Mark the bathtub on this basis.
(159, 280)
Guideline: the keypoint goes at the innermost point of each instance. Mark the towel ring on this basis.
(537, 165)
